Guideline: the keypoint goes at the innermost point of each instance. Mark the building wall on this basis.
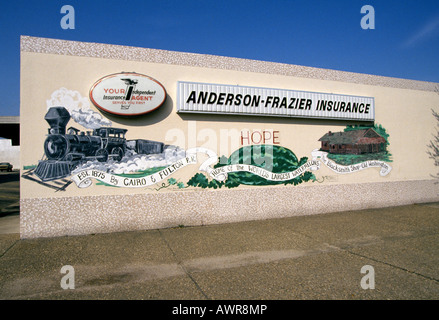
(55, 72)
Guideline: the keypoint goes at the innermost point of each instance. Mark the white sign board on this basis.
(127, 94)
(196, 97)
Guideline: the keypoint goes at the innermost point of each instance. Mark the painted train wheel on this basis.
(117, 153)
(101, 155)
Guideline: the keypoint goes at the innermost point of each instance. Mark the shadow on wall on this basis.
(268, 120)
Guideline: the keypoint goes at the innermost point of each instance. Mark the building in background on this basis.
(10, 140)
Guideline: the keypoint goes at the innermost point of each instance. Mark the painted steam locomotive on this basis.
(66, 150)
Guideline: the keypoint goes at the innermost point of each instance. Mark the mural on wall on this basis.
(258, 165)
(355, 149)
(357, 144)
(106, 155)
(68, 150)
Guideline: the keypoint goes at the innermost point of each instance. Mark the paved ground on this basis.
(309, 257)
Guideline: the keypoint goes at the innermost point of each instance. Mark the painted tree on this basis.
(433, 146)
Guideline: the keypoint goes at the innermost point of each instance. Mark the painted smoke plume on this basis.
(133, 162)
(78, 107)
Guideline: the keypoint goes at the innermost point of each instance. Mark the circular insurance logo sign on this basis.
(127, 94)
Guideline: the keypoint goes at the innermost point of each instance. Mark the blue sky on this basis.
(324, 34)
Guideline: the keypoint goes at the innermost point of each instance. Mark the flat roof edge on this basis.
(9, 119)
(120, 52)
